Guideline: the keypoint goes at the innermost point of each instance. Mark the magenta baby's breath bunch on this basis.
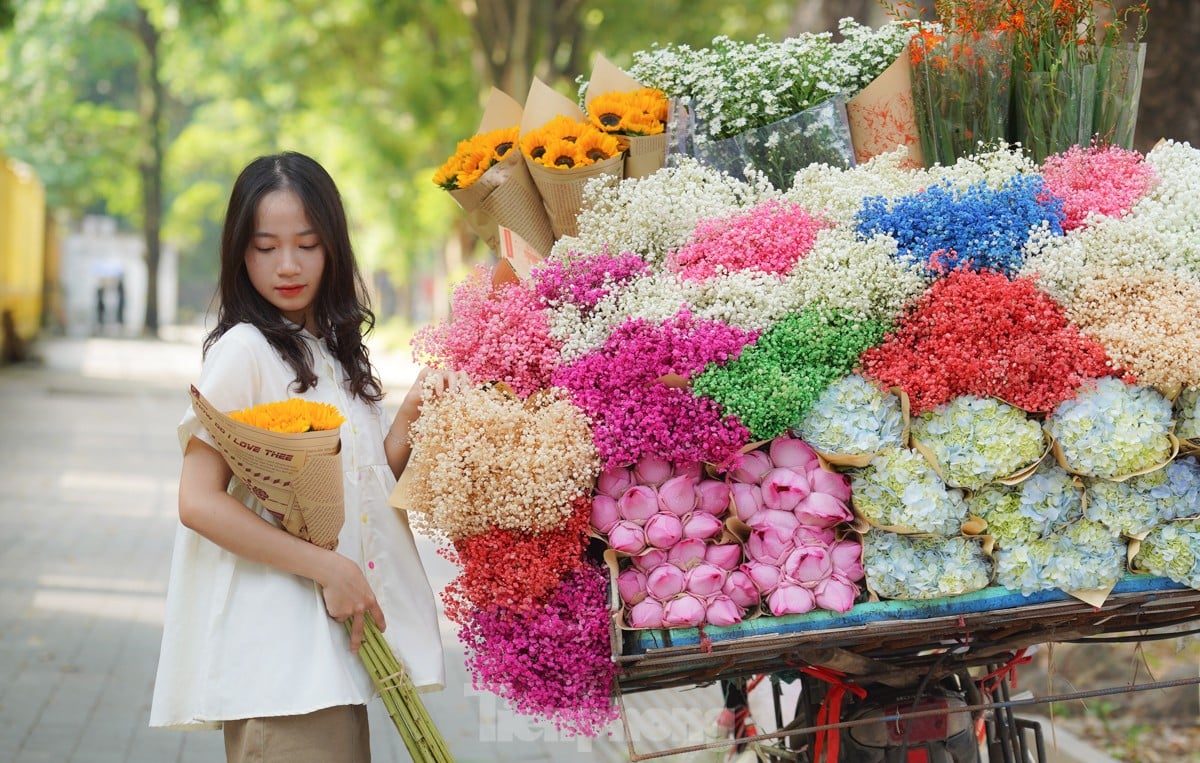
(495, 334)
(483, 459)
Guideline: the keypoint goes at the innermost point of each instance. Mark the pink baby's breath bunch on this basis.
(1097, 180)
(495, 334)
(483, 459)
(769, 238)
(1147, 321)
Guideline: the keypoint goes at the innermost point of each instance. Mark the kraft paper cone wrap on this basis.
(644, 154)
(505, 195)
(882, 117)
(297, 477)
(562, 190)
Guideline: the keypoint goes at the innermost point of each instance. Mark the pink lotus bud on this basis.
(722, 610)
(614, 481)
(790, 452)
(791, 599)
(751, 467)
(683, 612)
(808, 565)
(665, 580)
(702, 526)
(813, 536)
(832, 483)
(627, 537)
(768, 546)
(713, 497)
(647, 613)
(639, 503)
(663, 530)
(687, 553)
(649, 559)
(765, 576)
(836, 593)
(747, 500)
(677, 495)
(604, 513)
(727, 556)
(782, 522)
(822, 510)
(652, 470)
(693, 469)
(783, 489)
(741, 589)
(631, 585)
(847, 559)
(705, 579)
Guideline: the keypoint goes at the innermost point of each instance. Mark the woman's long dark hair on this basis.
(341, 311)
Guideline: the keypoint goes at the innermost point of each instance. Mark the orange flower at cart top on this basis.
(565, 143)
(631, 112)
(292, 416)
(475, 156)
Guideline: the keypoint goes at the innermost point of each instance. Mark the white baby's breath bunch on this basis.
(975, 440)
(1084, 556)
(899, 488)
(1170, 208)
(996, 166)
(853, 416)
(907, 567)
(649, 216)
(836, 193)
(747, 299)
(865, 51)
(863, 278)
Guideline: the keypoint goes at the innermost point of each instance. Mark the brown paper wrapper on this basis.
(882, 117)
(505, 194)
(644, 154)
(297, 477)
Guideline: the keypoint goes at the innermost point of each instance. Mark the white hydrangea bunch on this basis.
(1111, 428)
(1172, 550)
(911, 567)
(853, 416)
(976, 440)
(1187, 414)
(649, 216)
(899, 488)
(836, 193)
(1038, 506)
(1084, 556)
(865, 278)
(1129, 508)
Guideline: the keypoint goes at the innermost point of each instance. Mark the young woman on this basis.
(254, 640)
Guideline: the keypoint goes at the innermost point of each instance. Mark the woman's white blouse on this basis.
(244, 640)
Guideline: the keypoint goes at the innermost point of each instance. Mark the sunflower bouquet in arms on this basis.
(288, 454)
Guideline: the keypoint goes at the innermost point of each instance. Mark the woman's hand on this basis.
(348, 596)
(429, 384)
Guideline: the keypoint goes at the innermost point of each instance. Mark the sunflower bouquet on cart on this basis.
(288, 454)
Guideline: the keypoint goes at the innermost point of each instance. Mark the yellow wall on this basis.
(22, 245)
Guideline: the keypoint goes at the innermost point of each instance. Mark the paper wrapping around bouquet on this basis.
(644, 154)
(562, 190)
(297, 477)
(882, 118)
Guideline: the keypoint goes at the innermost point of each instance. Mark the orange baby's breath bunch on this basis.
(565, 143)
(633, 112)
(292, 416)
(475, 156)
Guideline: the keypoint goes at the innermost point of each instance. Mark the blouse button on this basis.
(370, 565)
(364, 518)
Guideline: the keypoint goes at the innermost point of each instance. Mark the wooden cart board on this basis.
(892, 641)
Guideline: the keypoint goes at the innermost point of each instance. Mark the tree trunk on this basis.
(1170, 103)
(515, 36)
(150, 98)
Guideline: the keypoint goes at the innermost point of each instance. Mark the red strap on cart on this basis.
(829, 740)
(1008, 670)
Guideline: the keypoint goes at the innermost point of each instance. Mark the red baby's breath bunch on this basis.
(978, 333)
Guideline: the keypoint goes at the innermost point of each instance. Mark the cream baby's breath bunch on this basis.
(484, 460)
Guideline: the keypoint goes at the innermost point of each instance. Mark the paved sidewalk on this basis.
(89, 462)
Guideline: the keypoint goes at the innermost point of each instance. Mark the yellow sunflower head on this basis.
(292, 416)
(500, 142)
(597, 146)
(561, 154)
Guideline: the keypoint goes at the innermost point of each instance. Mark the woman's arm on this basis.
(206, 508)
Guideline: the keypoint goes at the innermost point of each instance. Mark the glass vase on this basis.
(961, 92)
(1053, 109)
(1119, 71)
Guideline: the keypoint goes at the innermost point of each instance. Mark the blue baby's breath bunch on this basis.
(1112, 428)
(1172, 550)
(1043, 503)
(944, 228)
(979, 439)
(899, 488)
(1084, 556)
(910, 567)
(1135, 506)
(1187, 414)
(853, 416)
